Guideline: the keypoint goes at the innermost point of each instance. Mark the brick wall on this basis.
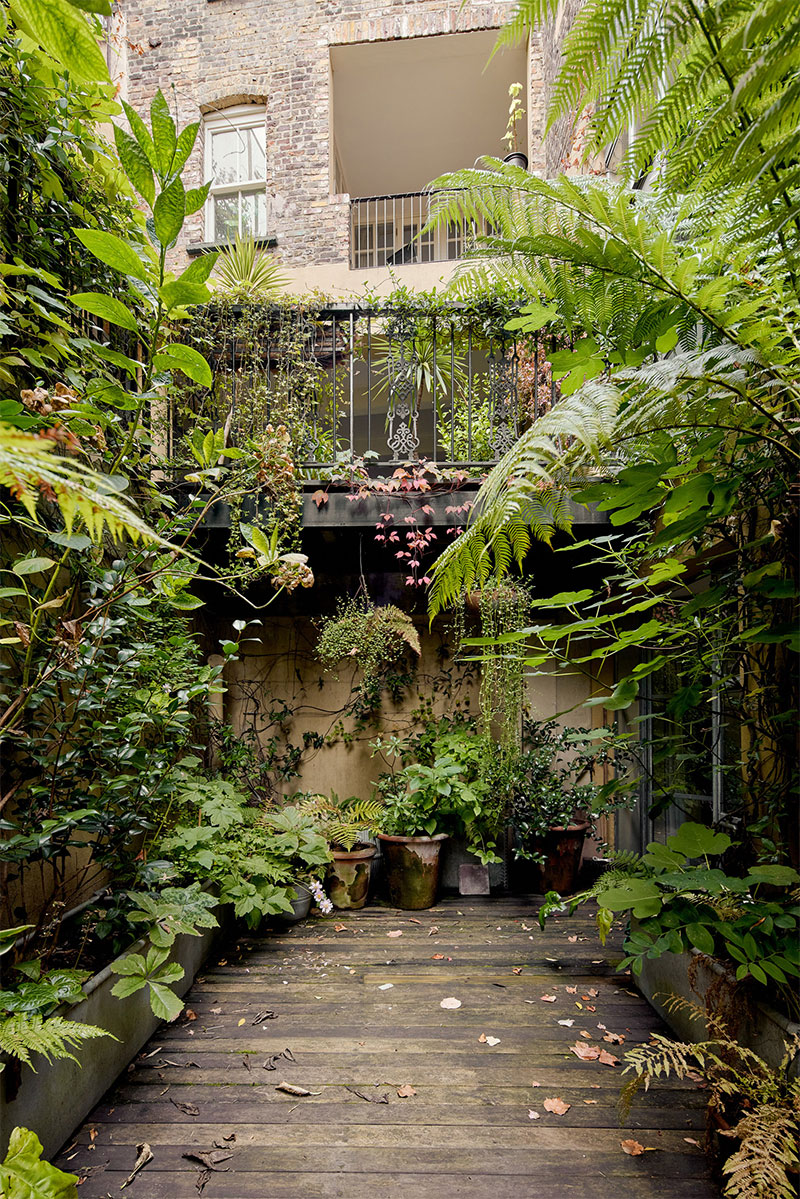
(210, 54)
(559, 140)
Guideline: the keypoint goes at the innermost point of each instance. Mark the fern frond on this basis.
(23, 1033)
(761, 1167)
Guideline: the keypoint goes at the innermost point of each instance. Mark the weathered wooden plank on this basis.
(466, 1133)
(548, 1183)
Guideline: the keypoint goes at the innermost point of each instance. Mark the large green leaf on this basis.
(135, 164)
(178, 294)
(164, 135)
(184, 358)
(165, 1003)
(113, 251)
(23, 1174)
(107, 308)
(169, 212)
(185, 144)
(64, 32)
(32, 566)
(196, 198)
(698, 841)
(142, 135)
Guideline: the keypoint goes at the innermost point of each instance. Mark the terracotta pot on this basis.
(563, 848)
(347, 880)
(412, 869)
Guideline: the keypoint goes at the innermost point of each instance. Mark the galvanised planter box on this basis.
(697, 977)
(53, 1101)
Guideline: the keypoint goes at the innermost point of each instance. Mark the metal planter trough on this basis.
(701, 979)
(53, 1101)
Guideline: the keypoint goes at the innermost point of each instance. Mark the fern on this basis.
(53, 1037)
(761, 1167)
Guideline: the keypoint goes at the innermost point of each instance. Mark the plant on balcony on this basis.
(515, 114)
(376, 640)
(243, 272)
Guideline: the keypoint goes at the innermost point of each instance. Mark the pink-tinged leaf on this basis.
(320, 497)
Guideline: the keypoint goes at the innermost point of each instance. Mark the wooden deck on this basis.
(204, 1084)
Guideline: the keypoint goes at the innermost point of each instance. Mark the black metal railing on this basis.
(386, 384)
(387, 231)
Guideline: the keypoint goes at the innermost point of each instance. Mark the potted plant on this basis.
(552, 807)
(376, 640)
(423, 805)
(342, 821)
(516, 112)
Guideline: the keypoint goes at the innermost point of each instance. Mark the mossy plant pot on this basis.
(562, 848)
(412, 869)
(348, 878)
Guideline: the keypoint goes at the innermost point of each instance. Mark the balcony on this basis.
(387, 231)
(386, 384)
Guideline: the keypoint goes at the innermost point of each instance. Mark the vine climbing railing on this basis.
(389, 384)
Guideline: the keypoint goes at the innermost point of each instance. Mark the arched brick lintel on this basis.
(420, 24)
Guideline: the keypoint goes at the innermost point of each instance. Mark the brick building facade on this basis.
(280, 61)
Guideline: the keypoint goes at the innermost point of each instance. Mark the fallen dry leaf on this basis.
(339, 928)
(589, 1101)
(557, 1106)
(290, 1089)
(516, 970)
(239, 1023)
(406, 1092)
(607, 1059)
(614, 1038)
(691, 1141)
(189, 1014)
(188, 1109)
(566, 1023)
(432, 931)
(636, 1149)
(572, 990)
(396, 932)
(215, 1011)
(437, 957)
(536, 1084)
(593, 993)
(145, 1155)
(587, 1035)
(450, 1003)
(413, 920)
(572, 940)
(587, 1053)
(589, 1008)
(548, 998)
(532, 1115)
(210, 1160)
(484, 1040)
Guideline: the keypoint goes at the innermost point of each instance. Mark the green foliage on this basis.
(341, 820)
(252, 857)
(23, 1174)
(376, 639)
(244, 272)
(24, 1033)
(154, 971)
(555, 781)
(681, 901)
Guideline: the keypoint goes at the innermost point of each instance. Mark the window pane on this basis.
(226, 218)
(257, 156)
(254, 213)
(225, 156)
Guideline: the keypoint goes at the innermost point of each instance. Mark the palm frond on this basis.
(242, 270)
